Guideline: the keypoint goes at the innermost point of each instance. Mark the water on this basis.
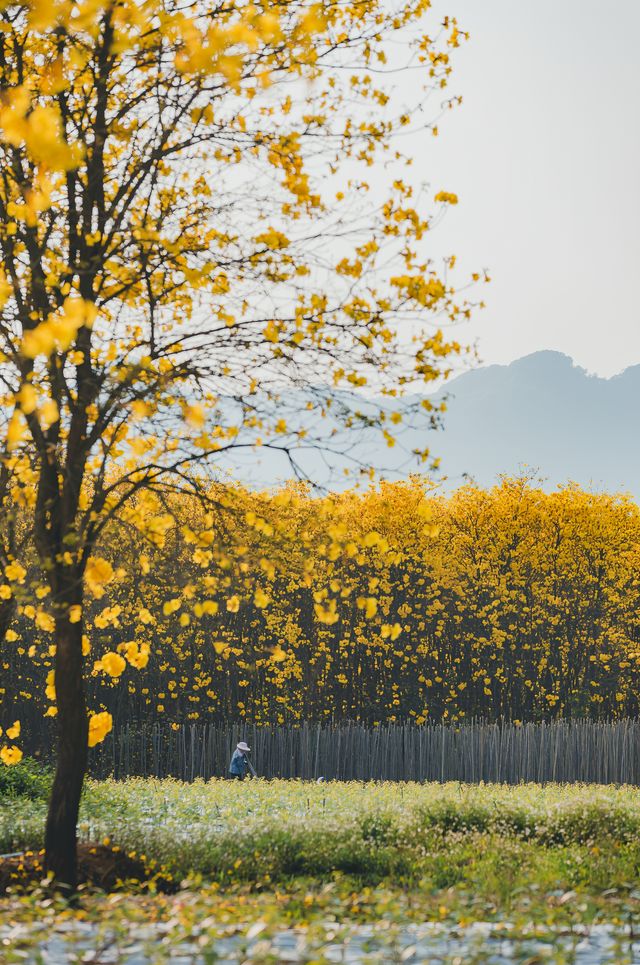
(205, 943)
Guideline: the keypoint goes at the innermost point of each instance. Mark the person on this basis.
(239, 765)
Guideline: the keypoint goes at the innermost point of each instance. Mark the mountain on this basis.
(540, 412)
(544, 412)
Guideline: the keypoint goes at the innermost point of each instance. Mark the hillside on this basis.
(541, 411)
(545, 412)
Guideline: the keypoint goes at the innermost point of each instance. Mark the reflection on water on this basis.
(346, 944)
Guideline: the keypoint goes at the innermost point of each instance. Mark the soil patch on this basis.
(99, 865)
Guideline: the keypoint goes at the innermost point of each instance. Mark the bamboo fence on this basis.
(600, 752)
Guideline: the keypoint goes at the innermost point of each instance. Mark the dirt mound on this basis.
(99, 865)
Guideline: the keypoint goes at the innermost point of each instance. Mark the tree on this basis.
(509, 603)
(190, 265)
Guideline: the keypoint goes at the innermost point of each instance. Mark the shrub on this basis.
(28, 779)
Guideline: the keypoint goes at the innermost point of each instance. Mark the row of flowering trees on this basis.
(394, 603)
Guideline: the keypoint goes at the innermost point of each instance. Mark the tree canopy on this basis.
(192, 261)
(504, 604)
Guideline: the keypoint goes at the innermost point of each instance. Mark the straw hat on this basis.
(243, 747)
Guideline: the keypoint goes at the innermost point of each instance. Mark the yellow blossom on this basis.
(99, 726)
(10, 755)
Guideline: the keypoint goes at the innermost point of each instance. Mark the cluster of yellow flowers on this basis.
(112, 664)
(9, 753)
(394, 603)
(99, 726)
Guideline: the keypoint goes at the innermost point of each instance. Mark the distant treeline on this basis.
(507, 604)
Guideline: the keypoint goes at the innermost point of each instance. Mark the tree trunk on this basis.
(62, 819)
(7, 611)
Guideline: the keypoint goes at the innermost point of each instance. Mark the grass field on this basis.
(262, 857)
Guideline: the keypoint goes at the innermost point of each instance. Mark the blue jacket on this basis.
(239, 763)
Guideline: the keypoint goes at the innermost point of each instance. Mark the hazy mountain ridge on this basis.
(541, 411)
(545, 412)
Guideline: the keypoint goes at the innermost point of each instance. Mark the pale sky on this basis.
(545, 156)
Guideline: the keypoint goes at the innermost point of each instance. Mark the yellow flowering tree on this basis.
(190, 265)
(391, 604)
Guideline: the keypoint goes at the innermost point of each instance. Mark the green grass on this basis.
(488, 839)
(274, 855)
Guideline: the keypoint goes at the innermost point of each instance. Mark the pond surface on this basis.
(347, 944)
